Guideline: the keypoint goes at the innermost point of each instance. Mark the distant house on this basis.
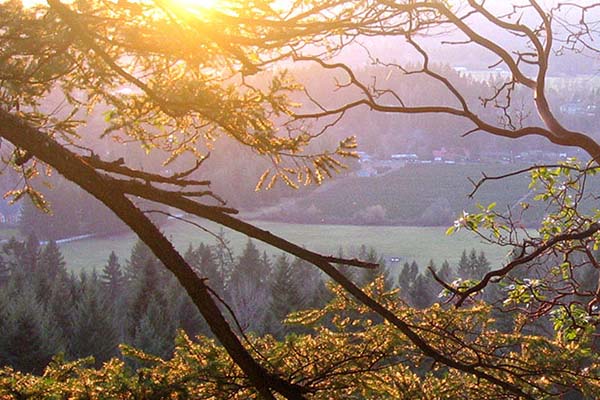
(453, 154)
(408, 157)
(578, 108)
(439, 155)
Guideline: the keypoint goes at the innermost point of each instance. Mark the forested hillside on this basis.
(47, 311)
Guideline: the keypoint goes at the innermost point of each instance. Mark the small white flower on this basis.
(510, 287)
(456, 282)
(462, 221)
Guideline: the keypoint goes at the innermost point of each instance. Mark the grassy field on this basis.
(409, 243)
(406, 194)
(418, 195)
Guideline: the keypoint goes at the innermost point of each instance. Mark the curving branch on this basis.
(102, 187)
(112, 193)
(522, 259)
(119, 167)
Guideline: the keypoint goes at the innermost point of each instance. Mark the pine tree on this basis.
(28, 218)
(144, 289)
(445, 273)
(51, 261)
(184, 312)
(209, 268)
(472, 266)
(31, 254)
(192, 257)
(286, 295)
(251, 265)
(248, 289)
(223, 256)
(112, 277)
(93, 331)
(421, 293)
(28, 336)
(311, 284)
(13, 251)
(483, 265)
(464, 267)
(264, 270)
(155, 333)
(349, 273)
(141, 258)
(406, 279)
(59, 302)
(366, 276)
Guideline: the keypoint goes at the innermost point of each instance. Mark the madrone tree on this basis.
(174, 79)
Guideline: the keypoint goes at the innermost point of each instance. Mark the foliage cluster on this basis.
(344, 354)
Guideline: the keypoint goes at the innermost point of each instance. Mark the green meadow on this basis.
(408, 243)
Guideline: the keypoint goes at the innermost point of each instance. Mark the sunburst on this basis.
(196, 6)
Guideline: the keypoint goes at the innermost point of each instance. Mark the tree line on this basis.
(46, 310)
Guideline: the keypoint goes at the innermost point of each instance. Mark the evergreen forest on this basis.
(48, 312)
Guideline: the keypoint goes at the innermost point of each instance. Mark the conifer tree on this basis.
(144, 289)
(422, 294)
(223, 256)
(248, 289)
(140, 259)
(483, 265)
(463, 269)
(28, 218)
(59, 302)
(93, 331)
(112, 278)
(472, 266)
(31, 254)
(350, 273)
(155, 332)
(264, 270)
(252, 264)
(424, 290)
(406, 279)
(14, 251)
(311, 284)
(51, 261)
(191, 256)
(445, 272)
(366, 276)
(286, 295)
(28, 335)
(146, 281)
(184, 314)
(208, 267)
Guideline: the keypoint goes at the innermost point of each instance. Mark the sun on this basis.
(197, 3)
(196, 6)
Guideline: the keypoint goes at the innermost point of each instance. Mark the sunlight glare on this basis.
(196, 6)
(197, 3)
